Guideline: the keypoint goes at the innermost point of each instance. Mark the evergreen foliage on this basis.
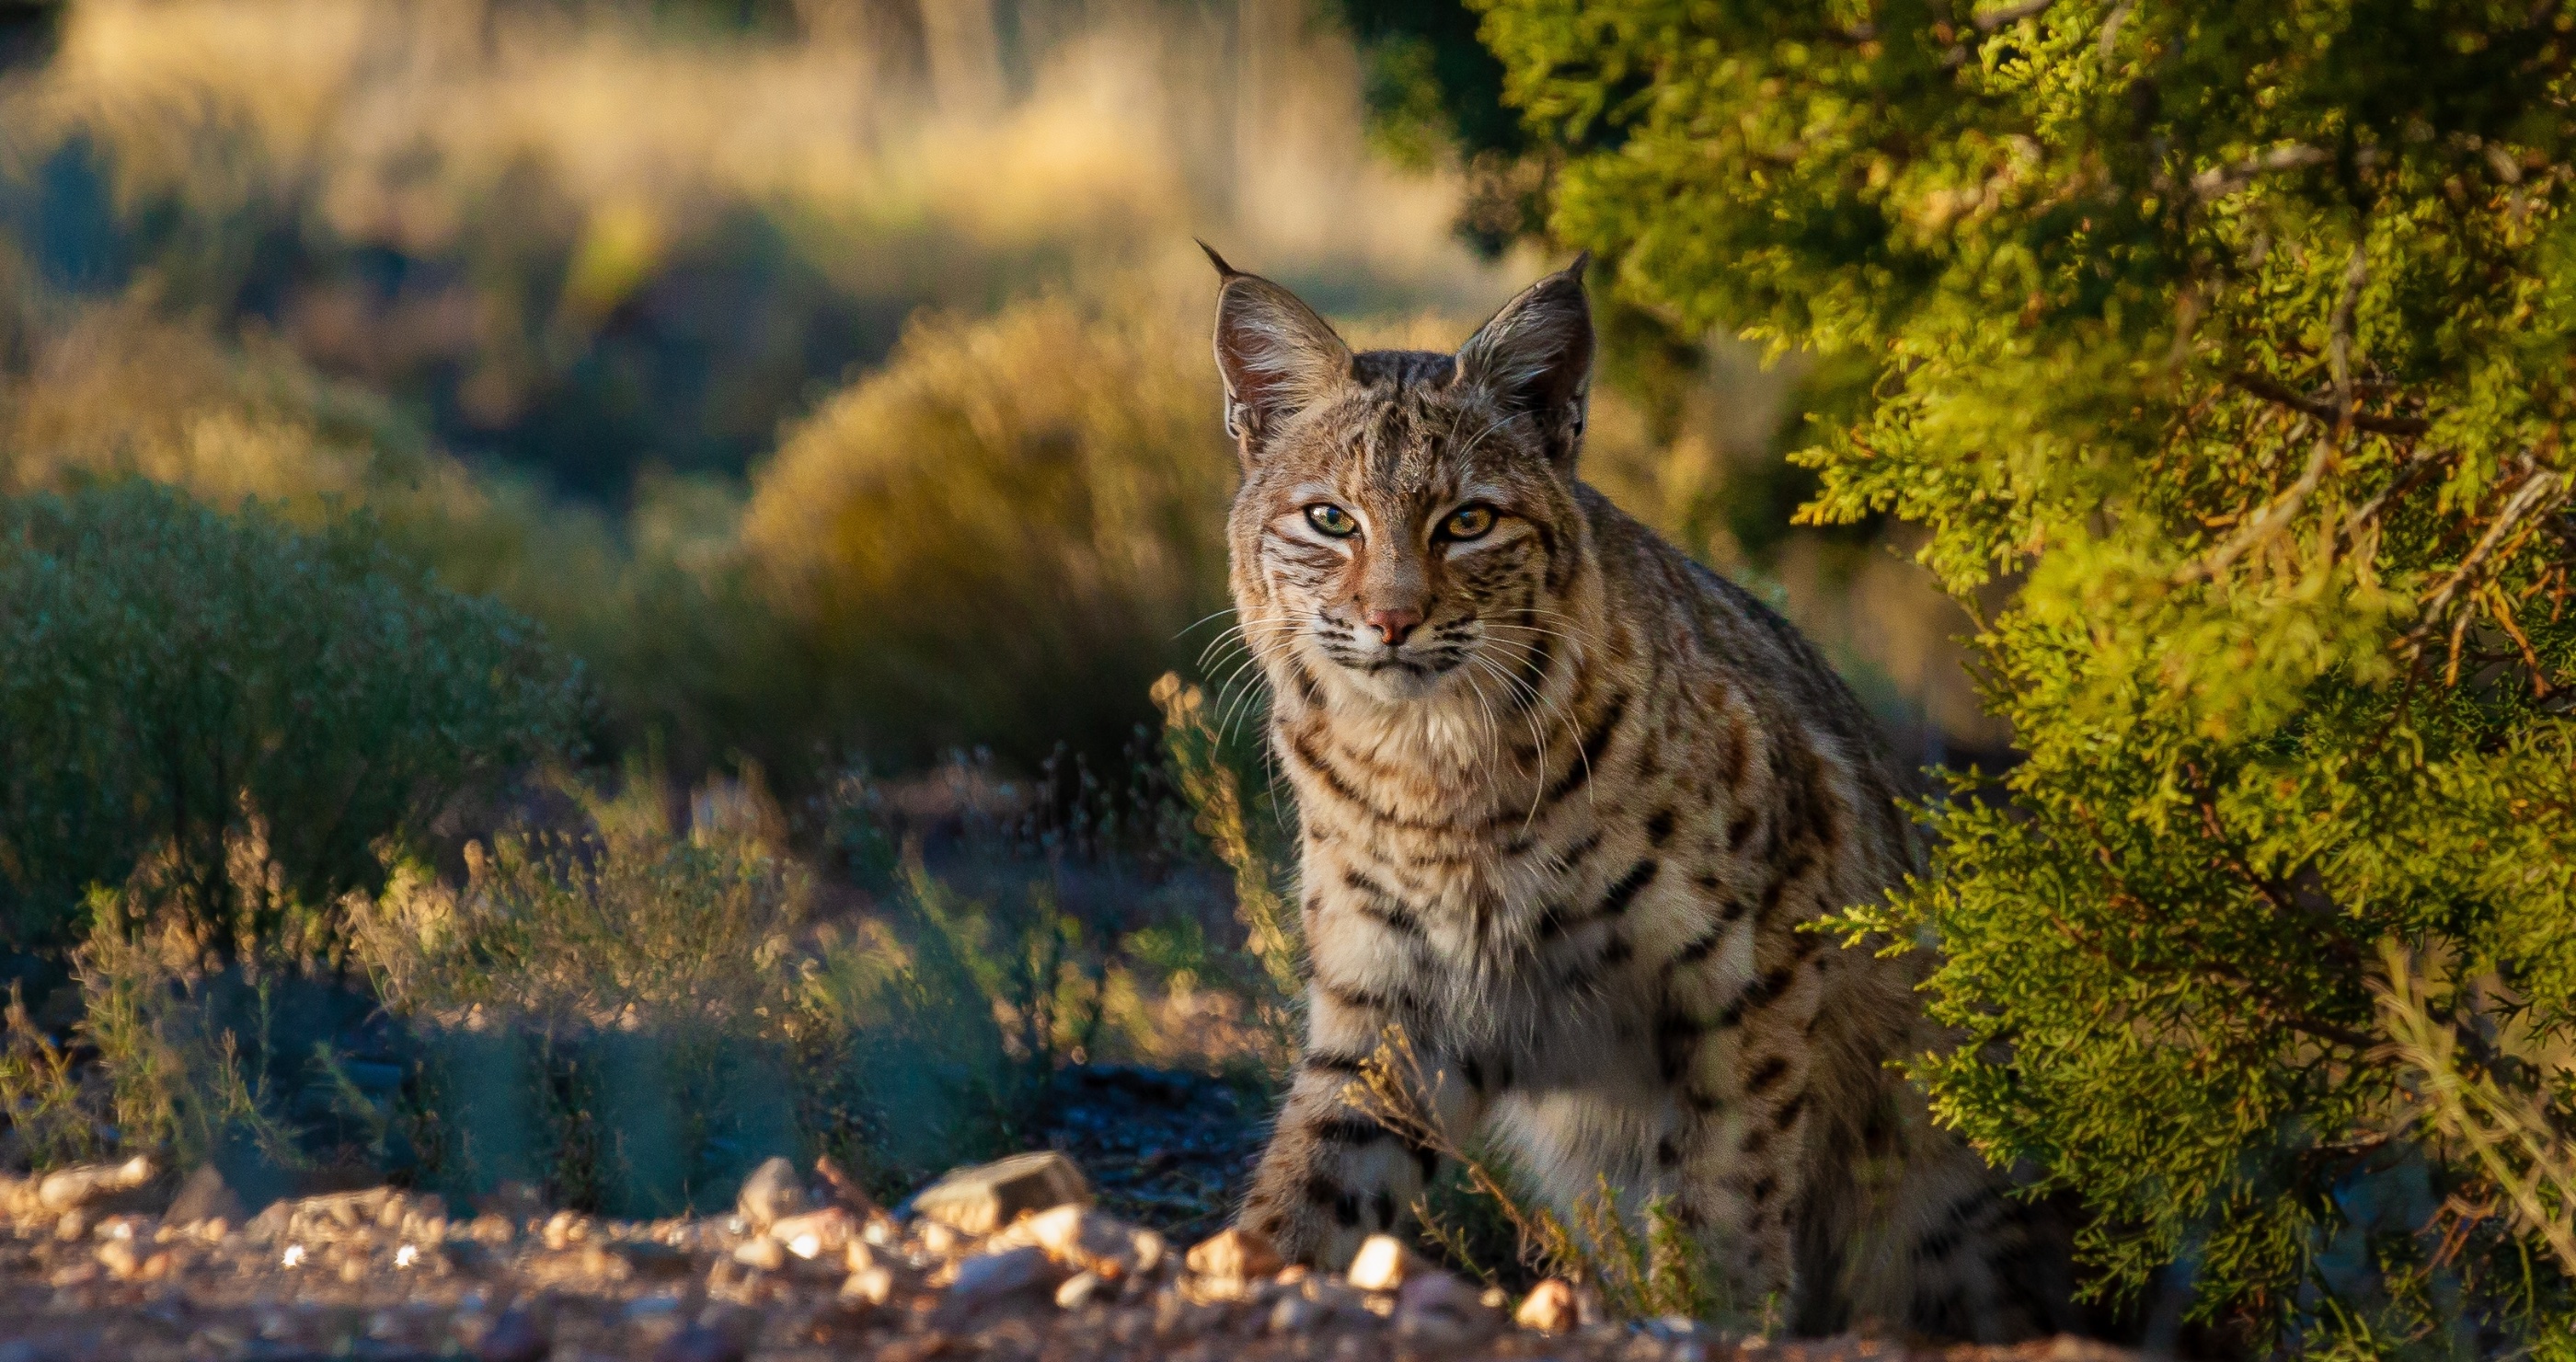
(2223, 353)
(177, 684)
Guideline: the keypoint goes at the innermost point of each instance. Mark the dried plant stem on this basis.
(2525, 1154)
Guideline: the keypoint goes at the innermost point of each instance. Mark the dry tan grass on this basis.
(406, 120)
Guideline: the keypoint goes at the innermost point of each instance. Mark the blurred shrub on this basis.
(1001, 537)
(171, 673)
(186, 1045)
(1226, 812)
(590, 243)
(43, 1093)
(612, 1010)
(191, 1045)
(949, 1019)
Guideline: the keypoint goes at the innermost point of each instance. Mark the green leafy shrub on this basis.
(2222, 354)
(169, 673)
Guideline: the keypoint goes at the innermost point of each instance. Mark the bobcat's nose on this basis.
(1392, 623)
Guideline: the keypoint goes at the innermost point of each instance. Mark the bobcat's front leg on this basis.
(1334, 1173)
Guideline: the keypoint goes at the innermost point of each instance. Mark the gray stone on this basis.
(988, 1275)
(984, 1198)
(207, 1195)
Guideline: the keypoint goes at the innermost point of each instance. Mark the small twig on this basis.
(2534, 490)
(2221, 180)
(2111, 27)
(2274, 516)
(2272, 391)
(2412, 473)
(1994, 19)
(2339, 351)
(2356, 272)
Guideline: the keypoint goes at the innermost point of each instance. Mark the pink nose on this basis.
(1392, 623)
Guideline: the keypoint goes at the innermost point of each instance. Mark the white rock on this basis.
(66, 1188)
(1380, 1265)
(1234, 1255)
(987, 1275)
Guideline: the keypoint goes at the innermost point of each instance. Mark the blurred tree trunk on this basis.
(892, 34)
(964, 51)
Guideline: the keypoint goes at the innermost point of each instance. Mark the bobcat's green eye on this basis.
(1468, 522)
(1328, 518)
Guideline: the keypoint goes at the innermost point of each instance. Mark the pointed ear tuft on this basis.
(1535, 357)
(1223, 270)
(1277, 356)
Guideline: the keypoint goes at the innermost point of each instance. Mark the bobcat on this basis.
(1565, 797)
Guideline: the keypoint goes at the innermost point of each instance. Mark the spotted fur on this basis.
(1565, 798)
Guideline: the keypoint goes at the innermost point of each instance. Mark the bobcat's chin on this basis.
(1394, 676)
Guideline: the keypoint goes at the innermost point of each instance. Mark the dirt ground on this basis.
(1107, 1246)
(387, 1276)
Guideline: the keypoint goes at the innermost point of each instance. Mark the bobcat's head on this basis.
(1407, 524)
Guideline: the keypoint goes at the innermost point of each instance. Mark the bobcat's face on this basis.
(1407, 519)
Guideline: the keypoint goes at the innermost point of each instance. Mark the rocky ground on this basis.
(1027, 1258)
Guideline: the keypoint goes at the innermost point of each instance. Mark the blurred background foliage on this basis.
(825, 376)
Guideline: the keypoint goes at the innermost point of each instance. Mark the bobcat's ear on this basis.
(1277, 356)
(1535, 357)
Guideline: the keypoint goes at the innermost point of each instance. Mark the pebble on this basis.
(814, 1233)
(1294, 1315)
(1077, 1290)
(562, 1230)
(1380, 1265)
(763, 1253)
(1151, 1248)
(1235, 1255)
(1438, 1310)
(120, 1257)
(1081, 1239)
(985, 1197)
(1550, 1308)
(988, 1275)
(81, 1184)
(772, 1193)
(868, 1285)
